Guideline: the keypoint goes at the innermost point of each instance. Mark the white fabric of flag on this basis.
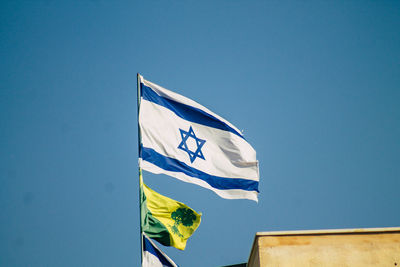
(185, 140)
(153, 257)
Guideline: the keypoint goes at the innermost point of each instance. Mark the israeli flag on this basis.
(185, 140)
(153, 256)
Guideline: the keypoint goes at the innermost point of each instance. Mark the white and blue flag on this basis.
(153, 256)
(185, 140)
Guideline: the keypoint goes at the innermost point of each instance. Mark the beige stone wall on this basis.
(362, 247)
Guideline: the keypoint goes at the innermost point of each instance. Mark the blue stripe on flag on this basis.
(171, 164)
(147, 246)
(186, 112)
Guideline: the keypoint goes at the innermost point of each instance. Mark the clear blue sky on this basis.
(315, 85)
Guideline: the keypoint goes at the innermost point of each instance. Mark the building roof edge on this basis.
(330, 231)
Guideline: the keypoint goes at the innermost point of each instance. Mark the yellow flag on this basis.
(166, 220)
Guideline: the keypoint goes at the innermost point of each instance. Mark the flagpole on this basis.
(140, 169)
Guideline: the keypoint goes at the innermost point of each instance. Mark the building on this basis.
(345, 247)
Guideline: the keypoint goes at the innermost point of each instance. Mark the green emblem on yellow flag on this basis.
(166, 220)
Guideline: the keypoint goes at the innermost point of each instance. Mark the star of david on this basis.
(199, 142)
